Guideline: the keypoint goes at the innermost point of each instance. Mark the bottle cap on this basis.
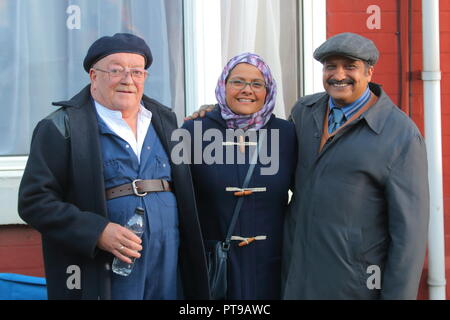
(139, 210)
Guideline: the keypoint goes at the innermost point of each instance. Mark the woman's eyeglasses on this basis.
(240, 85)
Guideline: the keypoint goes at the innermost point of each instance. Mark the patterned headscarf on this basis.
(258, 119)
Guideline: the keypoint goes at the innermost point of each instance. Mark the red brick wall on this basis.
(20, 251)
(405, 88)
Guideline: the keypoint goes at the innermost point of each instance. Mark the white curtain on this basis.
(43, 45)
(267, 28)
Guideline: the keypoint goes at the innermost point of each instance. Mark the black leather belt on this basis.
(139, 188)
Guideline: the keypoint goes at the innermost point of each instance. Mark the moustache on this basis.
(345, 81)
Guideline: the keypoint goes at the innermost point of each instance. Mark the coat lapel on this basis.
(87, 165)
(318, 114)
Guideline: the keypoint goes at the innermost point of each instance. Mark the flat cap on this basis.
(349, 45)
(120, 42)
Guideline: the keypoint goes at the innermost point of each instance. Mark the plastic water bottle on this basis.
(135, 224)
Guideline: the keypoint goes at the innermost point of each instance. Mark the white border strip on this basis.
(11, 171)
(314, 34)
(10, 163)
(203, 51)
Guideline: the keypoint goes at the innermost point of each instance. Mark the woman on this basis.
(246, 95)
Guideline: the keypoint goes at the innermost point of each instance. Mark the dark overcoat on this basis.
(62, 195)
(358, 223)
(255, 269)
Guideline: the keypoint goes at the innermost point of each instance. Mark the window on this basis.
(217, 30)
(44, 43)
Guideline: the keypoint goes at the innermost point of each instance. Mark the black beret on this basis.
(349, 45)
(120, 42)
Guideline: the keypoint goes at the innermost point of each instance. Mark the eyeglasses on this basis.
(240, 85)
(137, 74)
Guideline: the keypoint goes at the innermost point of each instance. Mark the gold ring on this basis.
(121, 247)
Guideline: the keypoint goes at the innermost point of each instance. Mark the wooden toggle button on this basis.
(243, 193)
(246, 242)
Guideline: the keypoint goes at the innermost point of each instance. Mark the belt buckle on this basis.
(135, 191)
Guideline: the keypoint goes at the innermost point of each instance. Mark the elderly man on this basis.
(357, 224)
(92, 162)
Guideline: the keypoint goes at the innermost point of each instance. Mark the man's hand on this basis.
(120, 241)
(200, 112)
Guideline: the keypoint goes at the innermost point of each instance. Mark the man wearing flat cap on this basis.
(357, 224)
(95, 160)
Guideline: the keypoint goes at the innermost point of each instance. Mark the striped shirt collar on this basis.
(353, 107)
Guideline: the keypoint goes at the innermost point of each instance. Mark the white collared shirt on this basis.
(114, 121)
